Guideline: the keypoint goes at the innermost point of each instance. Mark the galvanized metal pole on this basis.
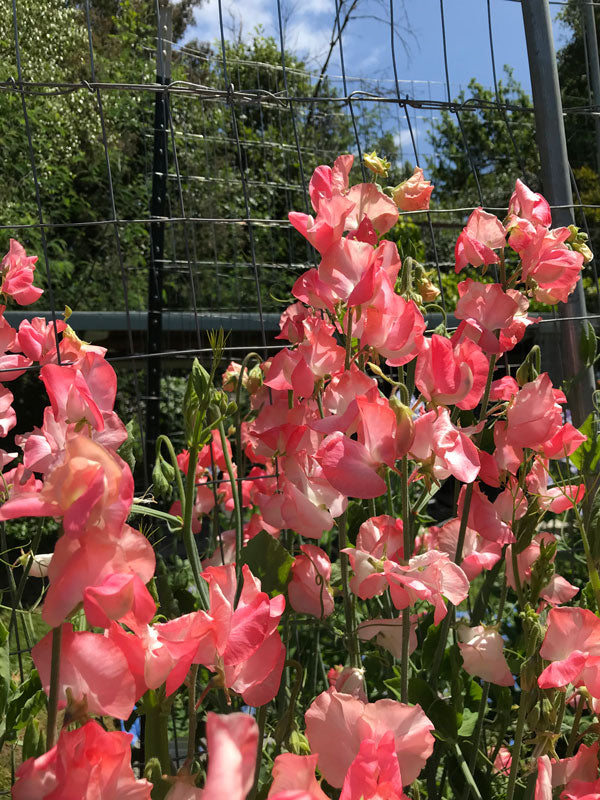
(588, 20)
(158, 208)
(556, 186)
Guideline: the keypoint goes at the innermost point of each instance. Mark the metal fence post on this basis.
(588, 20)
(158, 210)
(556, 185)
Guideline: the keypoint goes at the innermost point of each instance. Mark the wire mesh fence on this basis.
(153, 177)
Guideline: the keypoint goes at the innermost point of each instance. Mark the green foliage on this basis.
(269, 561)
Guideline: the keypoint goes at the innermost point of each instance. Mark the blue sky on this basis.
(366, 40)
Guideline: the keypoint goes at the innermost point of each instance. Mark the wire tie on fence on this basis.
(86, 84)
(230, 93)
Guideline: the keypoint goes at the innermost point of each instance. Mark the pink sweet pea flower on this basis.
(17, 275)
(70, 396)
(290, 325)
(91, 487)
(430, 577)
(311, 290)
(88, 763)
(482, 653)
(369, 202)
(308, 590)
(293, 773)
(482, 234)
(8, 416)
(87, 561)
(551, 264)
(449, 373)
(91, 667)
(326, 182)
(485, 309)
(529, 205)
(534, 417)
(37, 339)
(388, 634)
(572, 643)
(248, 654)
(444, 449)
(381, 537)
(414, 193)
(555, 498)
(329, 225)
(349, 467)
(375, 772)
(558, 590)
(477, 553)
(485, 517)
(336, 724)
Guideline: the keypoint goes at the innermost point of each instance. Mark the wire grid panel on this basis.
(245, 125)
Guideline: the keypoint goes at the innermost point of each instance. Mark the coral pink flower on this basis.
(70, 396)
(87, 561)
(374, 773)
(551, 264)
(388, 634)
(558, 590)
(451, 374)
(17, 275)
(485, 309)
(339, 401)
(534, 417)
(91, 666)
(381, 537)
(482, 234)
(482, 653)
(414, 193)
(578, 773)
(311, 290)
(308, 590)
(37, 338)
(529, 205)
(444, 449)
(88, 763)
(370, 203)
(292, 773)
(485, 517)
(290, 325)
(329, 225)
(91, 487)
(336, 724)
(572, 643)
(477, 554)
(555, 498)
(504, 388)
(327, 181)
(248, 654)
(349, 467)
(8, 416)
(430, 577)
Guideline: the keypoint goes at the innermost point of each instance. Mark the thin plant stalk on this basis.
(53, 694)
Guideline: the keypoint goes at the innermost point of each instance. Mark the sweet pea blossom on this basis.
(482, 653)
(572, 644)
(337, 723)
(482, 234)
(308, 590)
(88, 763)
(17, 270)
(414, 193)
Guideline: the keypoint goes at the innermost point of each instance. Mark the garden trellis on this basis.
(229, 147)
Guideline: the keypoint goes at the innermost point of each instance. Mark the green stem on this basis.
(351, 634)
(575, 729)
(516, 751)
(261, 719)
(239, 527)
(156, 742)
(188, 537)
(517, 578)
(53, 694)
(192, 713)
(407, 552)
(162, 439)
(348, 339)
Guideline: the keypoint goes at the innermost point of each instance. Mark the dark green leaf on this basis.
(269, 561)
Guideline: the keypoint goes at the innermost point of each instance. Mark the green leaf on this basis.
(126, 449)
(441, 713)
(469, 720)
(33, 740)
(269, 561)
(586, 457)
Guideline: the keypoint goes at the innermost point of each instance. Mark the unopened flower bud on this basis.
(351, 680)
(231, 376)
(428, 291)
(406, 426)
(253, 379)
(578, 241)
(376, 164)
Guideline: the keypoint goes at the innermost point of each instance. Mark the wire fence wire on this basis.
(154, 181)
(188, 214)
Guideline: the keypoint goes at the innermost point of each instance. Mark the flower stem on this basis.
(192, 713)
(53, 694)
(188, 508)
(516, 751)
(351, 634)
(239, 529)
